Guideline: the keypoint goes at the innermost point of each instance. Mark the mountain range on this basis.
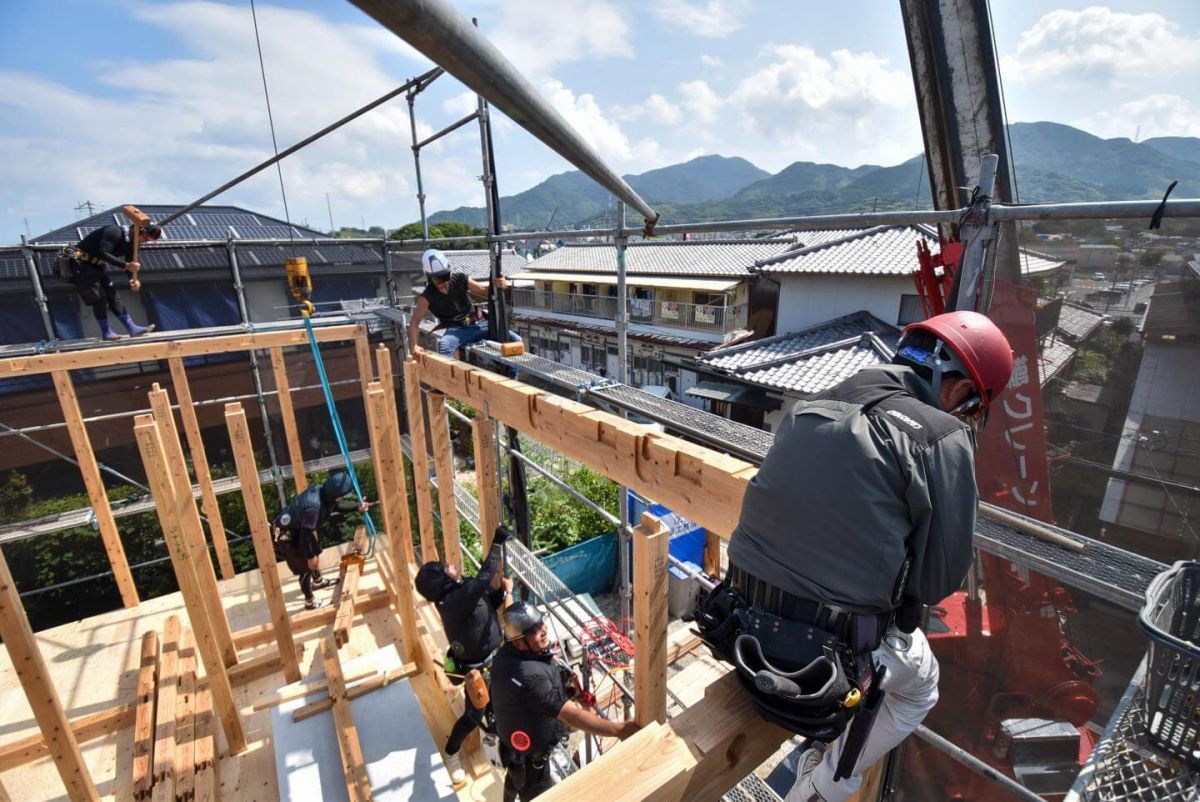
(1054, 162)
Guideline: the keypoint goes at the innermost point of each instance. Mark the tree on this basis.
(448, 229)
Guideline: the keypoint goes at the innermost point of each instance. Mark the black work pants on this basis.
(526, 782)
(96, 289)
(466, 724)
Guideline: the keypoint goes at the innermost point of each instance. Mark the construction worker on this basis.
(109, 246)
(534, 708)
(469, 610)
(863, 512)
(294, 530)
(447, 295)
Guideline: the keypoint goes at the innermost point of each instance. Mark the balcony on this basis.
(649, 312)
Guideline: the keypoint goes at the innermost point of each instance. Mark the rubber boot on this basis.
(133, 328)
(106, 331)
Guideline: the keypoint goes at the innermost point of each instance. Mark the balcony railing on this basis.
(651, 312)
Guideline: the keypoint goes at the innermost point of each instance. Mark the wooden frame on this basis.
(287, 413)
(420, 460)
(357, 784)
(443, 462)
(650, 540)
(487, 480)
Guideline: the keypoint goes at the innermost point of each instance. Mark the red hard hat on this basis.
(979, 343)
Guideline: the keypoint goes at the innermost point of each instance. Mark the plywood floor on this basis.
(93, 663)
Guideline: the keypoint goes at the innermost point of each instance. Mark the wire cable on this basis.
(271, 121)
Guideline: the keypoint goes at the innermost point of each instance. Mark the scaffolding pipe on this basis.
(283, 154)
(974, 763)
(416, 151)
(436, 29)
(447, 130)
(38, 294)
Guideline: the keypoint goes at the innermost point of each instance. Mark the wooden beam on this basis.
(712, 553)
(287, 413)
(143, 726)
(357, 784)
(362, 355)
(344, 601)
(298, 690)
(420, 460)
(43, 699)
(86, 728)
(94, 484)
(487, 479)
(129, 353)
(189, 520)
(390, 436)
(701, 483)
(208, 779)
(185, 721)
(650, 540)
(150, 445)
(208, 496)
(399, 587)
(308, 620)
(163, 789)
(443, 461)
(355, 691)
(263, 665)
(260, 533)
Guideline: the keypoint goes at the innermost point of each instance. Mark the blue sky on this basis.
(119, 101)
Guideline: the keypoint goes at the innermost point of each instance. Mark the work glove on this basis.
(501, 536)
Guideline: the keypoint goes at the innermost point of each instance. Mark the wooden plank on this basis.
(362, 355)
(389, 464)
(346, 593)
(420, 460)
(682, 642)
(150, 445)
(298, 690)
(163, 789)
(43, 698)
(263, 665)
(143, 727)
(650, 540)
(185, 721)
(189, 520)
(400, 589)
(94, 484)
(129, 353)
(86, 728)
(287, 413)
(208, 497)
(357, 784)
(260, 533)
(390, 435)
(487, 479)
(443, 461)
(355, 691)
(308, 620)
(712, 553)
(208, 778)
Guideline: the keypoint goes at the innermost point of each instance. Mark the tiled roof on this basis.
(202, 223)
(878, 251)
(1054, 355)
(811, 360)
(681, 258)
(1077, 323)
(633, 332)
(1174, 310)
(478, 264)
(1035, 264)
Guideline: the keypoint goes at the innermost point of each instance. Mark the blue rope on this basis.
(337, 428)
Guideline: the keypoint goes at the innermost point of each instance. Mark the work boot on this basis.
(134, 329)
(803, 790)
(320, 582)
(313, 603)
(106, 332)
(454, 766)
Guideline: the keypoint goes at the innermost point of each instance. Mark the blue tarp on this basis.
(327, 289)
(587, 567)
(173, 307)
(21, 322)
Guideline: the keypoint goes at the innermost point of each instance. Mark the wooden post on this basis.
(390, 434)
(144, 716)
(95, 487)
(712, 553)
(443, 460)
(260, 532)
(288, 414)
(362, 355)
(164, 718)
(345, 598)
(487, 479)
(185, 720)
(189, 520)
(357, 784)
(151, 447)
(208, 497)
(43, 699)
(650, 539)
(420, 459)
(208, 781)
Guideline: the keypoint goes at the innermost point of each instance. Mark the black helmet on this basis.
(520, 620)
(337, 485)
(433, 582)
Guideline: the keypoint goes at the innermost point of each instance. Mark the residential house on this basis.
(1092, 257)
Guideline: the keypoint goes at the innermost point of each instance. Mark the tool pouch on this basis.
(64, 264)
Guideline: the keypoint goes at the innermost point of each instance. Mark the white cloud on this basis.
(662, 110)
(1156, 115)
(585, 116)
(711, 61)
(713, 19)
(700, 100)
(1098, 43)
(539, 35)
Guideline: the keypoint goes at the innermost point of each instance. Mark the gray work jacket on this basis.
(857, 476)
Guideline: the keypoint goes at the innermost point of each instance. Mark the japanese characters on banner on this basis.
(1011, 465)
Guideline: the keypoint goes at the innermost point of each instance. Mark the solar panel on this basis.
(12, 264)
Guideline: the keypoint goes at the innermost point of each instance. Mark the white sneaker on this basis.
(803, 790)
(454, 766)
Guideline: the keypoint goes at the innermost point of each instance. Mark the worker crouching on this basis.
(294, 530)
(533, 705)
(447, 295)
(109, 246)
(469, 609)
(863, 512)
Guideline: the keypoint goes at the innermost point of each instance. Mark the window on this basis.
(910, 310)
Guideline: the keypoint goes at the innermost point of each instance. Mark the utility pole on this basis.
(328, 208)
(87, 206)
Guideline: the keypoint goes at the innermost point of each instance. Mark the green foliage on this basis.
(560, 521)
(15, 495)
(447, 229)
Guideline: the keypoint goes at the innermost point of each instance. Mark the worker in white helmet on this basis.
(447, 294)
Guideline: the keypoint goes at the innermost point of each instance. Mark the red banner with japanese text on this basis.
(1011, 465)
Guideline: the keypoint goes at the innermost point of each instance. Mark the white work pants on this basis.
(911, 685)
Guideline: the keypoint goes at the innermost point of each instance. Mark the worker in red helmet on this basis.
(863, 512)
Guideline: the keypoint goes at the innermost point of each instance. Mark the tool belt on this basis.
(805, 664)
(457, 672)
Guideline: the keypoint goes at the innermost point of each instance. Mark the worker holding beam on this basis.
(447, 295)
(863, 512)
(111, 246)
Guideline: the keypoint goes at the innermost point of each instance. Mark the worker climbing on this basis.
(821, 606)
(295, 530)
(87, 268)
(469, 610)
(535, 699)
(447, 295)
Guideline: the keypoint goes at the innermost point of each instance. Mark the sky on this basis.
(121, 101)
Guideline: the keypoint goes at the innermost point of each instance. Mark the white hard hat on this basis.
(434, 264)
